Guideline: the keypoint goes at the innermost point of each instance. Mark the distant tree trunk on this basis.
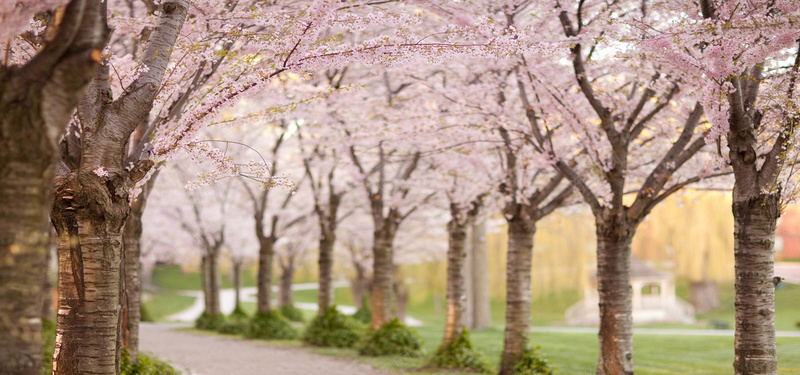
(326, 295)
(359, 285)
(401, 297)
(37, 101)
(518, 291)
(213, 280)
(481, 300)
(456, 291)
(237, 281)
(285, 287)
(133, 283)
(469, 304)
(265, 255)
(614, 291)
(703, 295)
(327, 225)
(205, 281)
(754, 236)
(383, 275)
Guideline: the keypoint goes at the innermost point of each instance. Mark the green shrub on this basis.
(364, 314)
(797, 323)
(235, 323)
(144, 314)
(392, 338)
(270, 326)
(209, 322)
(292, 313)
(530, 363)
(48, 345)
(333, 329)
(145, 366)
(460, 354)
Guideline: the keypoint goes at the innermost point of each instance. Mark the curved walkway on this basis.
(227, 298)
(205, 354)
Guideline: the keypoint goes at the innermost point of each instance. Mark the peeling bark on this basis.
(88, 214)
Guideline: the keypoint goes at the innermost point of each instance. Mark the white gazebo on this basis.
(654, 299)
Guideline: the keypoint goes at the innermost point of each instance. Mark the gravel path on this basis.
(204, 354)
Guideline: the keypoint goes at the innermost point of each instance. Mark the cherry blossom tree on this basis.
(100, 165)
(321, 165)
(742, 58)
(638, 131)
(46, 66)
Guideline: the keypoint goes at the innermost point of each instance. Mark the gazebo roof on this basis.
(641, 270)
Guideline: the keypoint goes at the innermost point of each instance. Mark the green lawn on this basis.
(163, 304)
(172, 278)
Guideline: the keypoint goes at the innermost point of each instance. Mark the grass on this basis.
(173, 278)
(163, 304)
(341, 296)
(576, 353)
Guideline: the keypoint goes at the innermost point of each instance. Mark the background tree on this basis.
(743, 59)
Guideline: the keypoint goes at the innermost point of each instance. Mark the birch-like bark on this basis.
(614, 290)
(518, 291)
(37, 100)
(755, 349)
(133, 283)
(90, 209)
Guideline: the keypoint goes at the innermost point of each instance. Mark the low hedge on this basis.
(393, 338)
(461, 355)
(270, 326)
(333, 329)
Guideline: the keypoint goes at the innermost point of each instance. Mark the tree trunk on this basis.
(285, 288)
(703, 295)
(401, 298)
(47, 289)
(89, 214)
(456, 291)
(382, 277)
(265, 275)
(616, 307)
(481, 300)
(754, 237)
(133, 282)
(237, 282)
(24, 192)
(213, 281)
(37, 101)
(518, 291)
(359, 285)
(326, 294)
